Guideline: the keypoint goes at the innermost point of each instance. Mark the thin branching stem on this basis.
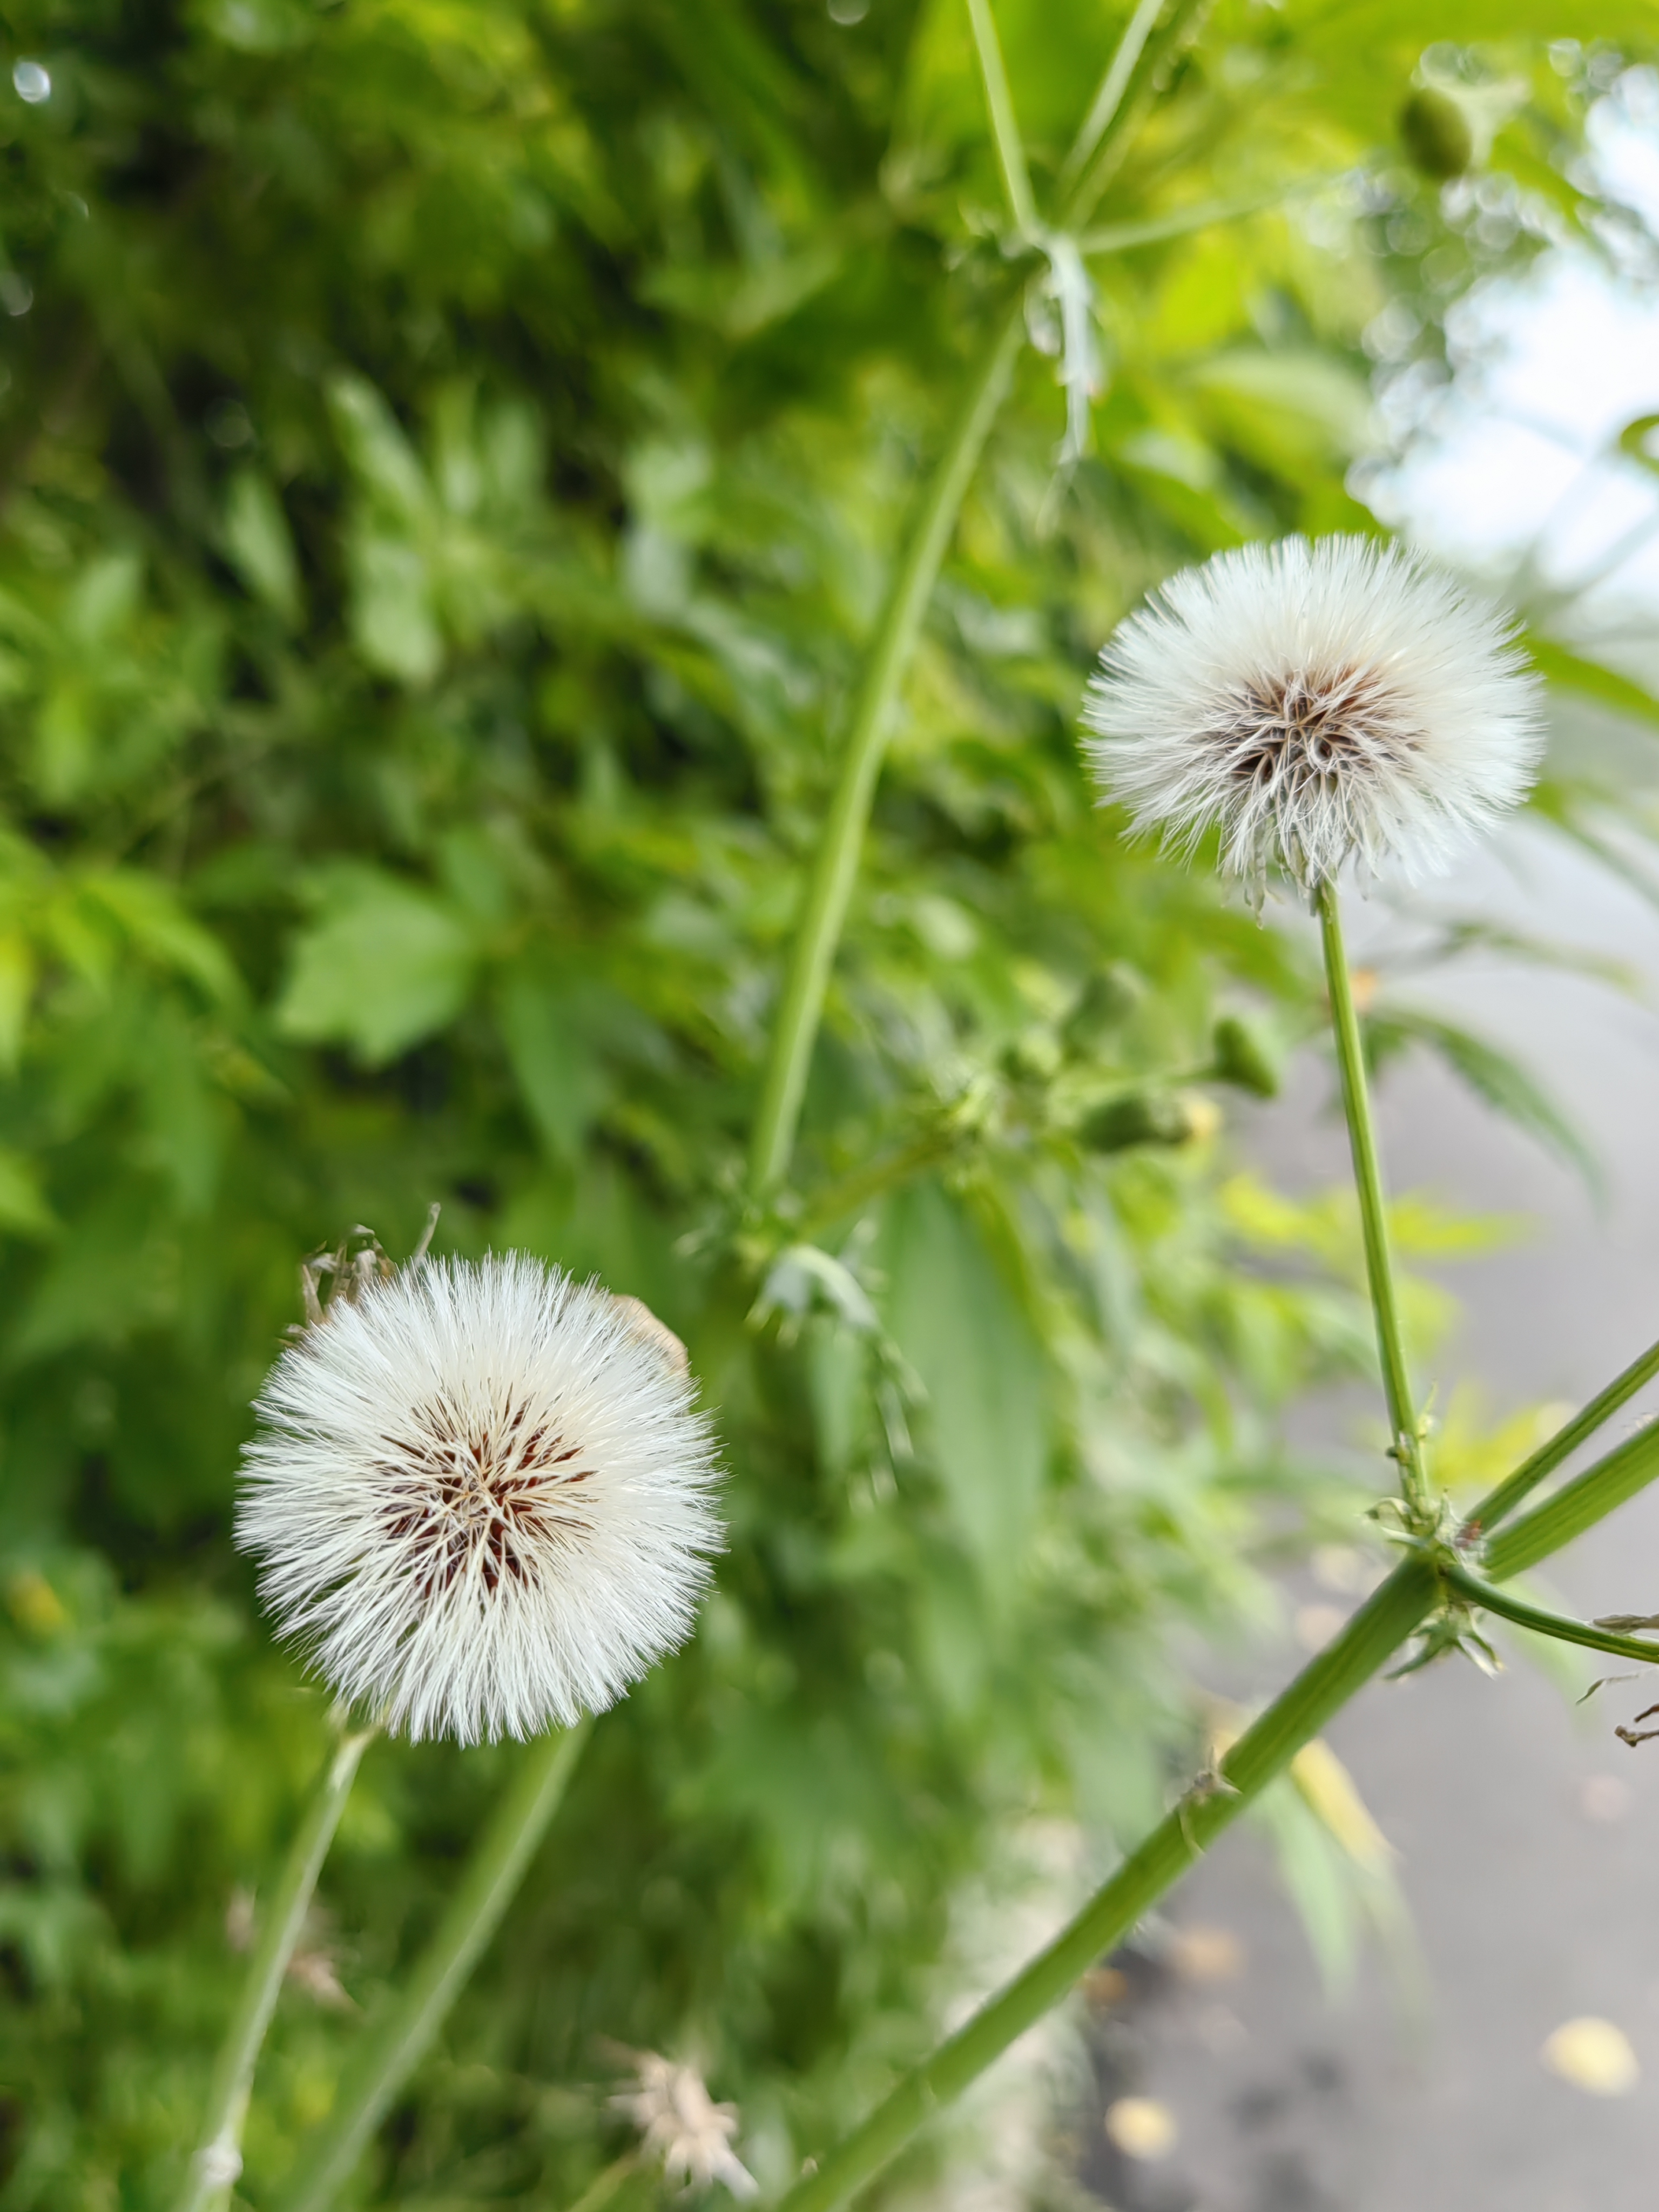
(398, 2045)
(1005, 126)
(1473, 1591)
(218, 2157)
(834, 871)
(1108, 100)
(1498, 1503)
(1207, 215)
(1155, 36)
(1578, 1505)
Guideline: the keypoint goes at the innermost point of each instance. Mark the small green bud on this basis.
(1245, 1058)
(1140, 1117)
(1437, 133)
(1031, 1058)
(1109, 997)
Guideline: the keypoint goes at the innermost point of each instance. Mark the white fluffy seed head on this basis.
(1315, 703)
(480, 1497)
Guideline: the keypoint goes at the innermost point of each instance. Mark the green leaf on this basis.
(381, 457)
(393, 618)
(959, 1325)
(1493, 1076)
(257, 540)
(23, 1208)
(1559, 664)
(155, 922)
(18, 971)
(553, 1051)
(384, 965)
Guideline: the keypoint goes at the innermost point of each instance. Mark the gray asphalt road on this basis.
(1528, 1835)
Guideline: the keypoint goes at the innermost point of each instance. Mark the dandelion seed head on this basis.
(480, 1496)
(680, 2123)
(1315, 703)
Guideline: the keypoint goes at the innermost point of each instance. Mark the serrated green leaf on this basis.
(383, 965)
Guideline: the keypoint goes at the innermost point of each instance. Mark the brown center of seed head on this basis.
(497, 1490)
(1308, 726)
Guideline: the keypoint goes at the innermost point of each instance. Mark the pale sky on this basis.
(1515, 461)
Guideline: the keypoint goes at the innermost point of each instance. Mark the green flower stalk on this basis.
(1311, 706)
(400, 2040)
(482, 1499)
(218, 2157)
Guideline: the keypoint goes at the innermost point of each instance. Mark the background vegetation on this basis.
(452, 453)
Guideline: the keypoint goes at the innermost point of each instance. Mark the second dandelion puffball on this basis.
(480, 1497)
(1315, 703)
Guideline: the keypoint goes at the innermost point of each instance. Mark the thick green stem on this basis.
(1565, 1631)
(1503, 1501)
(395, 2047)
(836, 866)
(1578, 1505)
(1265, 1749)
(1368, 1180)
(218, 2157)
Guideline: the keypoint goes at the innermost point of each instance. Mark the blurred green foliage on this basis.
(450, 454)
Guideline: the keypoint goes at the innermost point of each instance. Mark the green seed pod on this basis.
(1245, 1058)
(1437, 133)
(1142, 1117)
(1032, 1058)
(1109, 997)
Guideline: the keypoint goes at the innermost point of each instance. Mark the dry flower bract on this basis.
(480, 1497)
(1315, 703)
(681, 2124)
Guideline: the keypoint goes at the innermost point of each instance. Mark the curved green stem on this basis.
(1100, 145)
(395, 2047)
(835, 869)
(1265, 1749)
(218, 2157)
(1368, 1180)
(1474, 1591)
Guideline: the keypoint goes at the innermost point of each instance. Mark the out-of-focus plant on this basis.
(458, 470)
